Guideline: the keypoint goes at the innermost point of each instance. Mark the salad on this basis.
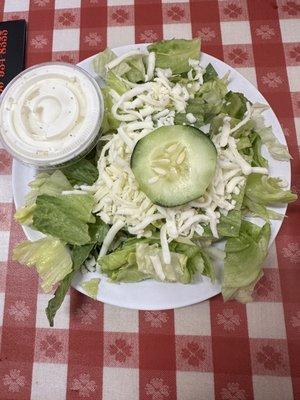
(178, 168)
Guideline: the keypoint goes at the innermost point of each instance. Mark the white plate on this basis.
(153, 295)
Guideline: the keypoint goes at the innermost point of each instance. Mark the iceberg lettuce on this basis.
(175, 54)
(49, 256)
(244, 257)
(44, 183)
(265, 190)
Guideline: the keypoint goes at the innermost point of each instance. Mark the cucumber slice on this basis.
(174, 164)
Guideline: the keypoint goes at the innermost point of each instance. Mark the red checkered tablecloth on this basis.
(207, 351)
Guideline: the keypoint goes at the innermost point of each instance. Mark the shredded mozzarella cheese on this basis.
(118, 200)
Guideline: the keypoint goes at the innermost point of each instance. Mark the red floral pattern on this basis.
(120, 15)
(193, 353)
(120, 349)
(51, 346)
(238, 56)
(295, 53)
(233, 392)
(269, 357)
(233, 10)
(263, 287)
(291, 8)
(66, 18)
(176, 13)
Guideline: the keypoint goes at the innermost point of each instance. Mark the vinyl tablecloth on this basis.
(206, 351)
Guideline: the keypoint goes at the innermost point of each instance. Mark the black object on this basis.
(12, 50)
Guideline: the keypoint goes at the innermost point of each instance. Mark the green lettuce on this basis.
(65, 217)
(197, 259)
(210, 73)
(79, 254)
(113, 82)
(230, 224)
(175, 54)
(132, 262)
(49, 256)
(91, 287)
(109, 123)
(277, 150)
(258, 160)
(244, 257)
(128, 274)
(44, 183)
(265, 190)
(137, 71)
(176, 271)
(258, 210)
(201, 110)
(235, 105)
(100, 61)
(213, 92)
(81, 172)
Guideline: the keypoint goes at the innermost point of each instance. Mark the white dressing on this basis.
(50, 114)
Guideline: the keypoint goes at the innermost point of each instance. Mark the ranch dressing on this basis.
(50, 114)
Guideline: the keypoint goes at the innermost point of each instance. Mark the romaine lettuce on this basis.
(244, 257)
(235, 105)
(44, 183)
(175, 54)
(50, 257)
(79, 255)
(100, 61)
(81, 172)
(213, 92)
(277, 150)
(265, 190)
(91, 287)
(65, 217)
(176, 271)
(210, 73)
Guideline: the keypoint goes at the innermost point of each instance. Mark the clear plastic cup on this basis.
(51, 114)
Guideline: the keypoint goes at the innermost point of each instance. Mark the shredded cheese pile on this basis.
(118, 200)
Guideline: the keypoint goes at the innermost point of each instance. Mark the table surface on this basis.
(207, 351)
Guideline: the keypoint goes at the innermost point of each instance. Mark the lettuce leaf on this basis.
(197, 259)
(230, 224)
(137, 69)
(113, 82)
(128, 274)
(265, 190)
(81, 172)
(98, 230)
(65, 217)
(109, 123)
(175, 54)
(44, 183)
(210, 73)
(79, 255)
(277, 150)
(258, 160)
(100, 61)
(213, 92)
(258, 210)
(49, 256)
(176, 271)
(235, 104)
(244, 257)
(91, 287)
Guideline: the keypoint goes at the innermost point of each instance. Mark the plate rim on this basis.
(214, 289)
